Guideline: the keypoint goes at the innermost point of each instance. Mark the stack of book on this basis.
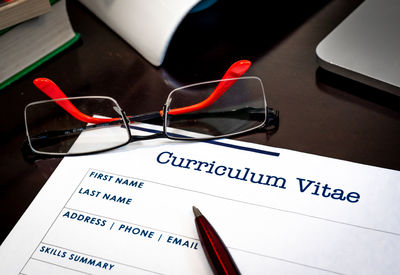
(31, 32)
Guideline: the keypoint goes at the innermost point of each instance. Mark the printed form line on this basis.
(64, 267)
(288, 261)
(94, 256)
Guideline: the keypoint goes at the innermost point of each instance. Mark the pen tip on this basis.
(196, 212)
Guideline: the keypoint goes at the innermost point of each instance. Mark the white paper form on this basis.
(129, 211)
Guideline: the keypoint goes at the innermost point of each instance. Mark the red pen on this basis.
(216, 252)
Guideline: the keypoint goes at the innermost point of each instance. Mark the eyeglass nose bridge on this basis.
(155, 135)
(159, 134)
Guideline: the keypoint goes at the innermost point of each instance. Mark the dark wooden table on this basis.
(321, 113)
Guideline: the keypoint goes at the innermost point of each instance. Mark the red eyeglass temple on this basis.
(48, 87)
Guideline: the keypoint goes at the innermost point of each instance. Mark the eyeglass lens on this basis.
(240, 108)
(52, 130)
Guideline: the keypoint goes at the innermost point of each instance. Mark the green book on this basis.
(29, 44)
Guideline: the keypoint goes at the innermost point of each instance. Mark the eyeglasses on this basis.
(207, 110)
(201, 111)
